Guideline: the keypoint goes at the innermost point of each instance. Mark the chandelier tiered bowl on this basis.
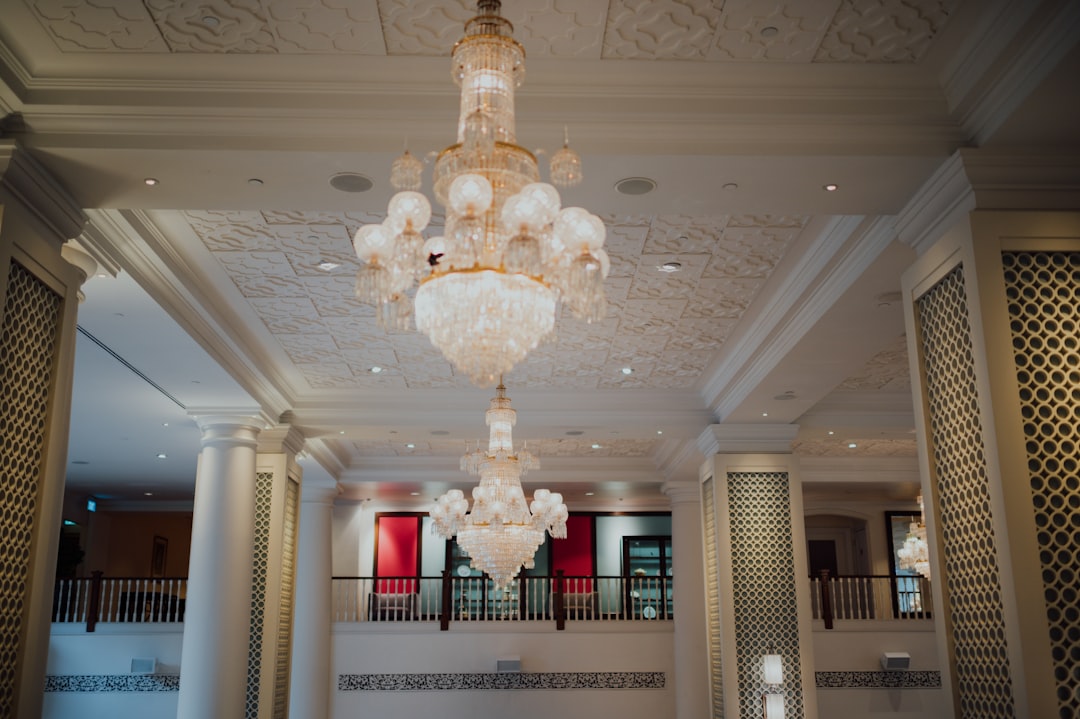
(503, 532)
(489, 288)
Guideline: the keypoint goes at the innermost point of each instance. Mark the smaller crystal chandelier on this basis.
(915, 554)
(489, 288)
(502, 533)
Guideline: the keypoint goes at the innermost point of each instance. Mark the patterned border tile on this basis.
(99, 683)
(878, 680)
(491, 681)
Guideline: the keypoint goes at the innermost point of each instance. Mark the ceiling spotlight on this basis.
(659, 431)
(590, 494)
(769, 31)
(414, 494)
(327, 265)
(831, 433)
(410, 445)
(627, 370)
(376, 369)
(671, 266)
(162, 455)
(596, 446)
(148, 494)
(255, 182)
(852, 445)
(764, 414)
(150, 181)
(831, 187)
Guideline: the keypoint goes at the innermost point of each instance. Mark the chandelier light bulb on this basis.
(371, 242)
(470, 194)
(411, 208)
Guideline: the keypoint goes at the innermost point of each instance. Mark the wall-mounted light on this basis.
(772, 671)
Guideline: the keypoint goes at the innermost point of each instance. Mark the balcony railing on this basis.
(97, 599)
(474, 599)
(869, 597)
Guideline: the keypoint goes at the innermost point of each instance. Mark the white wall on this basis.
(855, 649)
(541, 649)
(108, 652)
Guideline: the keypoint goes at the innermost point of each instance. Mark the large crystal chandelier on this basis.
(502, 533)
(490, 286)
(914, 555)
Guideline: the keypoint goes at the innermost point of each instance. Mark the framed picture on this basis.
(158, 555)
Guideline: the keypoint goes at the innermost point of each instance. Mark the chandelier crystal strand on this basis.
(503, 532)
(490, 287)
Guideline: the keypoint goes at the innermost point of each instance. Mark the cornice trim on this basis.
(836, 258)
(35, 189)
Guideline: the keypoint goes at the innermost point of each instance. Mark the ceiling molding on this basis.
(940, 203)
(40, 194)
(143, 251)
(842, 251)
(1014, 47)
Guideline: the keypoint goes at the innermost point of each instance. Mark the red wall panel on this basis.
(397, 552)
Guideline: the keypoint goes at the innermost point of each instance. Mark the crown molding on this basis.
(1013, 47)
(139, 245)
(748, 439)
(836, 256)
(35, 189)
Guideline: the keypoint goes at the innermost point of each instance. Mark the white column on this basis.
(311, 682)
(214, 656)
(691, 655)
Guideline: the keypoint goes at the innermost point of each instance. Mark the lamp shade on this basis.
(774, 706)
(773, 669)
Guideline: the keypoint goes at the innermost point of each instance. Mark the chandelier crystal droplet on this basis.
(489, 288)
(503, 532)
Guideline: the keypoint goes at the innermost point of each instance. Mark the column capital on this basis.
(74, 255)
(682, 492)
(224, 427)
(282, 438)
(747, 439)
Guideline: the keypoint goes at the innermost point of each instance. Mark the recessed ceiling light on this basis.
(327, 265)
(351, 182)
(852, 445)
(162, 455)
(164, 424)
(79, 461)
(671, 266)
(151, 181)
(341, 431)
(595, 446)
(574, 433)
(831, 187)
(590, 494)
(376, 369)
(102, 275)
(410, 445)
(659, 431)
(148, 494)
(210, 21)
(627, 370)
(831, 433)
(414, 494)
(764, 414)
(255, 182)
(635, 186)
(730, 186)
(769, 31)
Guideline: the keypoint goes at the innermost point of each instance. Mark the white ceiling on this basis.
(786, 305)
